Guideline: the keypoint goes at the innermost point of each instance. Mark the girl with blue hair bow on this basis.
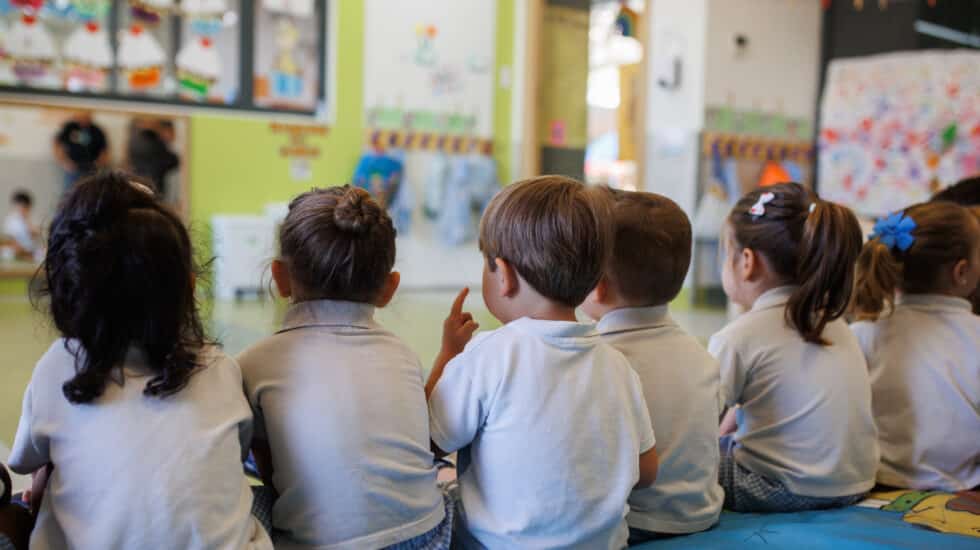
(922, 343)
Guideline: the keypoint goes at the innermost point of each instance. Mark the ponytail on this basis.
(807, 242)
(829, 246)
(879, 275)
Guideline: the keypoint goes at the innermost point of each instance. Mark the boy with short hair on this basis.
(650, 258)
(550, 422)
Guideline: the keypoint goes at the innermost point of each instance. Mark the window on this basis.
(265, 55)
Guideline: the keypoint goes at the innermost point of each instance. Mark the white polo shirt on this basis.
(805, 417)
(680, 384)
(341, 402)
(132, 471)
(551, 422)
(924, 361)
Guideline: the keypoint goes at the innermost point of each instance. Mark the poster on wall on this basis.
(429, 66)
(896, 128)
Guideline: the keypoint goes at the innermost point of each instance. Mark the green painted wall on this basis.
(235, 166)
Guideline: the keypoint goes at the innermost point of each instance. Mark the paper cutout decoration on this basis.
(150, 12)
(198, 68)
(773, 173)
(298, 8)
(286, 75)
(205, 16)
(88, 58)
(31, 50)
(141, 58)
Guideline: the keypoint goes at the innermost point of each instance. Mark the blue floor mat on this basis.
(846, 528)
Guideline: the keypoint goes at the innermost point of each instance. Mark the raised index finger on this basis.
(457, 308)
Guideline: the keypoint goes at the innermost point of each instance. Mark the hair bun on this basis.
(355, 212)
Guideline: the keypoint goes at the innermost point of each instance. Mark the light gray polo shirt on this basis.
(680, 384)
(132, 471)
(805, 417)
(341, 402)
(924, 361)
(552, 422)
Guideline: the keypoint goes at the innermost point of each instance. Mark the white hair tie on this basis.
(759, 208)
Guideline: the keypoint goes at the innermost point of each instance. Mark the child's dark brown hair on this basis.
(339, 244)
(651, 247)
(119, 273)
(554, 230)
(944, 233)
(808, 242)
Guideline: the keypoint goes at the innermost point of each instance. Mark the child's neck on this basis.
(540, 308)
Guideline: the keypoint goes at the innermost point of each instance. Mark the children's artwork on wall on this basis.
(896, 128)
(198, 67)
(428, 66)
(141, 58)
(298, 8)
(87, 59)
(31, 51)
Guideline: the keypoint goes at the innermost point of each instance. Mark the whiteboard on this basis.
(429, 65)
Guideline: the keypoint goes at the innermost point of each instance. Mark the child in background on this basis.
(550, 422)
(923, 350)
(805, 438)
(18, 226)
(144, 423)
(342, 431)
(650, 258)
(966, 193)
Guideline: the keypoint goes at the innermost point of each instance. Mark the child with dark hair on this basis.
(805, 437)
(18, 226)
(650, 258)
(966, 193)
(550, 422)
(140, 425)
(342, 430)
(923, 346)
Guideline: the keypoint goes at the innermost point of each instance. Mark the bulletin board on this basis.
(429, 66)
(896, 128)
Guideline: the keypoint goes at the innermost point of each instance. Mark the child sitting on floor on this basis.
(144, 423)
(923, 347)
(550, 422)
(805, 438)
(650, 258)
(342, 428)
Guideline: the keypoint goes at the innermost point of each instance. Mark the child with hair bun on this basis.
(805, 438)
(342, 426)
(922, 344)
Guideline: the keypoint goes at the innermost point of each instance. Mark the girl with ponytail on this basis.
(922, 343)
(791, 371)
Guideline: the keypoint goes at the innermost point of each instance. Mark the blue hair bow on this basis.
(895, 231)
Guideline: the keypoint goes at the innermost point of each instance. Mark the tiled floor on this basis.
(414, 316)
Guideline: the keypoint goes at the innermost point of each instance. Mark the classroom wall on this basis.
(675, 116)
(236, 166)
(778, 71)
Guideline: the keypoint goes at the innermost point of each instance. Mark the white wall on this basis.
(778, 71)
(675, 116)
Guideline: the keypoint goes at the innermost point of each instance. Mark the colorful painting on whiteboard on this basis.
(896, 128)
(428, 66)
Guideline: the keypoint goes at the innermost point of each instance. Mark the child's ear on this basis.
(280, 275)
(748, 262)
(506, 278)
(389, 289)
(961, 273)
